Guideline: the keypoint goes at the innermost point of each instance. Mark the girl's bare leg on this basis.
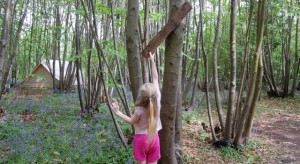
(141, 162)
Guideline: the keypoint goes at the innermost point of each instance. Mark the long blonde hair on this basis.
(147, 97)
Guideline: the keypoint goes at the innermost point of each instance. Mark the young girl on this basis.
(146, 120)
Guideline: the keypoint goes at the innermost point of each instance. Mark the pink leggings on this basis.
(143, 151)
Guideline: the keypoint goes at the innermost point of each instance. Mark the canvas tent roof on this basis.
(41, 76)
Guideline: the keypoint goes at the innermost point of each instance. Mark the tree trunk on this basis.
(77, 52)
(12, 57)
(244, 70)
(132, 47)
(228, 127)
(171, 85)
(4, 40)
(126, 105)
(145, 64)
(178, 122)
(287, 57)
(195, 77)
(185, 58)
(31, 42)
(206, 67)
(258, 81)
(296, 64)
(247, 115)
(215, 68)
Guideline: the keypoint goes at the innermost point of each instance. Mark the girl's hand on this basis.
(151, 55)
(115, 107)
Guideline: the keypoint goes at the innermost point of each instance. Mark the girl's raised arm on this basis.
(154, 70)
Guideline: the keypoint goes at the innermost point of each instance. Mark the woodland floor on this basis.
(275, 137)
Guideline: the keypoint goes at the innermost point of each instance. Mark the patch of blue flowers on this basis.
(59, 134)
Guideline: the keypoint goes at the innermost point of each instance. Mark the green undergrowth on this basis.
(247, 153)
(51, 130)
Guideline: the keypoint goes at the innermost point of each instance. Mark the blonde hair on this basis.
(147, 97)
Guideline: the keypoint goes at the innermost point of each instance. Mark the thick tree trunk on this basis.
(171, 85)
(132, 47)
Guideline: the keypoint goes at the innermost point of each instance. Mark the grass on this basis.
(244, 153)
(58, 134)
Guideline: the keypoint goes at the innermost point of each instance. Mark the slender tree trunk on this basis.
(206, 67)
(1, 6)
(66, 76)
(195, 69)
(247, 115)
(259, 52)
(145, 64)
(228, 127)
(244, 70)
(297, 59)
(126, 105)
(215, 68)
(12, 57)
(185, 58)
(132, 47)
(32, 28)
(268, 62)
(287, 57)
(77, 52)
(4, 40)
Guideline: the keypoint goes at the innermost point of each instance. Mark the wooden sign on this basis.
(174, 21)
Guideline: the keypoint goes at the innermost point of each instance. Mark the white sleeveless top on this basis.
(141, 126)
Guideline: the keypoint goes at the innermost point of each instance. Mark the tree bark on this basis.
(145, 64)
(244, 70)
(132, 47)
(206, 67)
(247, 115)
(215, 68)
(258, 81)
(228, 127)
(4, 39)
(77, 52)
(12, 57)
(297, 59)
(287, 57)
(174, 44)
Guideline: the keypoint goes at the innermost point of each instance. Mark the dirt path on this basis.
(281, 129)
